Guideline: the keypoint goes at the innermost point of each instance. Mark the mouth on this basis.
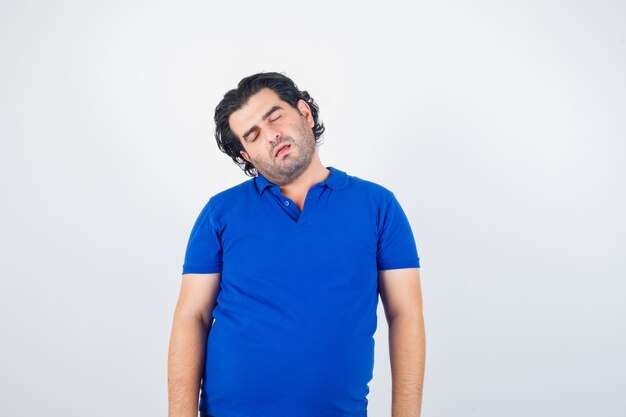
(282, 149)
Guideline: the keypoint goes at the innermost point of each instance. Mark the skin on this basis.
(401, 294)
(190, 327)
(295, 172)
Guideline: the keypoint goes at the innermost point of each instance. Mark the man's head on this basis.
(264, 112)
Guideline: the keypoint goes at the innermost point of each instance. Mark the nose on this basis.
(273, 135)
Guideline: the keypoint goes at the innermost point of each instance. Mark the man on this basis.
(281, 277)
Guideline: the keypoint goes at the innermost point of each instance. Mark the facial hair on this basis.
(291, 166)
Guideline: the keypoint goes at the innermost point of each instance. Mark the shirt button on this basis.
(286, 203)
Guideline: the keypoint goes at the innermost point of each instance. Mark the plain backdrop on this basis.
(499, 125)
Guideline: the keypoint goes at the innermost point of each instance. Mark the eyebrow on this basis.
(265, 116)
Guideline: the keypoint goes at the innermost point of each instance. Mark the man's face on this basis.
(264, 125)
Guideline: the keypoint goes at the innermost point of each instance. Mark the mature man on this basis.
(281, 277)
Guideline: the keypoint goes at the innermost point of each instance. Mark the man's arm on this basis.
(191, 325)
(401, 294)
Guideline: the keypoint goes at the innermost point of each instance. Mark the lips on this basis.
(281, 147)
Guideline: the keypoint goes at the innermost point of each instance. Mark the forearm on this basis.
(407, 352)
(185, 362)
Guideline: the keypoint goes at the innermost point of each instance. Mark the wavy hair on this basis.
(235, 99)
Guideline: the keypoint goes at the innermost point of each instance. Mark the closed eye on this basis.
(274, 119)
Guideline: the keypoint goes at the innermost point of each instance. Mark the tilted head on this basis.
(228, 141)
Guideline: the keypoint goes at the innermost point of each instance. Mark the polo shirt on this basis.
(294, 323)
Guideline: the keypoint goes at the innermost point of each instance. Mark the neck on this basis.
(315, 173)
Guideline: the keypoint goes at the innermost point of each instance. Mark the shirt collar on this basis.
(336, 180)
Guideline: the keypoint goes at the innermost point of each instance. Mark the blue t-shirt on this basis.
(293, 334)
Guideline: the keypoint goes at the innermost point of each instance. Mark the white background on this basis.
(499, 125)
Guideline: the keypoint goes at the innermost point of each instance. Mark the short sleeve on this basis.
(204, 248)
(396, 244)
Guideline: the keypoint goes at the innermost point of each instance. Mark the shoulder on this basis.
(373, 191)
(222, 202)
(234, 192)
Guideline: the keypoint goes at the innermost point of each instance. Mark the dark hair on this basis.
(233, 100)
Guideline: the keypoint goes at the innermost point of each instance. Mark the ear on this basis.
(244, 155)
(304, 108)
